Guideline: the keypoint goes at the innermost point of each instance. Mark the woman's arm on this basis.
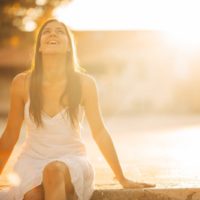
(101, 135)
(15, 119)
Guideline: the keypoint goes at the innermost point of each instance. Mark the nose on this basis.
(53, 33)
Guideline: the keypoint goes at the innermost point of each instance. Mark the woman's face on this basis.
(54, 39)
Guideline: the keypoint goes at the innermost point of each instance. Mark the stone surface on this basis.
(146, 194)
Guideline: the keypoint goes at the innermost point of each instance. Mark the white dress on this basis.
(55, 141)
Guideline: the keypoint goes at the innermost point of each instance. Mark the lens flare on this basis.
(13, 179)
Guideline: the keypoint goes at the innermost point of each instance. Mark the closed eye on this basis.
(46, 31)
(60, 31)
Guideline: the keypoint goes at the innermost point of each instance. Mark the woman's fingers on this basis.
(132, 184)
(145, 185)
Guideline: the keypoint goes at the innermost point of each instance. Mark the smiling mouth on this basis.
(52, 42)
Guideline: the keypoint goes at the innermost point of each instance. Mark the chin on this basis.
(53, 52)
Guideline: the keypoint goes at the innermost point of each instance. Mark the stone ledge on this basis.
(147, 194)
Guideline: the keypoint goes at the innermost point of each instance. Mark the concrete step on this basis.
(147, 194)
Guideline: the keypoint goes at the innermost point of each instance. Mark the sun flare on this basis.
(179, 19)
(13, 179)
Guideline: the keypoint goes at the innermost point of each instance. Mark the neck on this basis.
(54, 68)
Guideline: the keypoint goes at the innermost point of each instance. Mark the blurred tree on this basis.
(19, 18)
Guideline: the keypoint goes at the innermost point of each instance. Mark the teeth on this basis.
(52, 42)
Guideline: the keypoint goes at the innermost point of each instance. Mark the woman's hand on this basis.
(126, 183)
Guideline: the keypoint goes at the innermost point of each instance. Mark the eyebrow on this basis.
(56, 28)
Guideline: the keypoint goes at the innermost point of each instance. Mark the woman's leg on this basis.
(57, 181)
(36, 193)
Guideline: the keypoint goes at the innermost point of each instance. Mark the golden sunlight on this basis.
(179, 19)
(13, 178)
(131, 14)
(186, 38)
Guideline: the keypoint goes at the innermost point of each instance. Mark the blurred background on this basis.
(145, 56)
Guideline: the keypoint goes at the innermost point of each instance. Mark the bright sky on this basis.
(130, 14)
(179, 18)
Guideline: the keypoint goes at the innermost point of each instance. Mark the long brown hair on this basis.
(72, 89)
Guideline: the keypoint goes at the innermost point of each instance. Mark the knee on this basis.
(57, 172)
(54, 168)
(36, 194)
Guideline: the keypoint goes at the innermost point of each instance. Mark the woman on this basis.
(51, 99)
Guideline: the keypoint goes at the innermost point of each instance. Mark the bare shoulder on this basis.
(88, 86)
(18, 86)
(87, 81)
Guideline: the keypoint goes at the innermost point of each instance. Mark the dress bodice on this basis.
(56, 137)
